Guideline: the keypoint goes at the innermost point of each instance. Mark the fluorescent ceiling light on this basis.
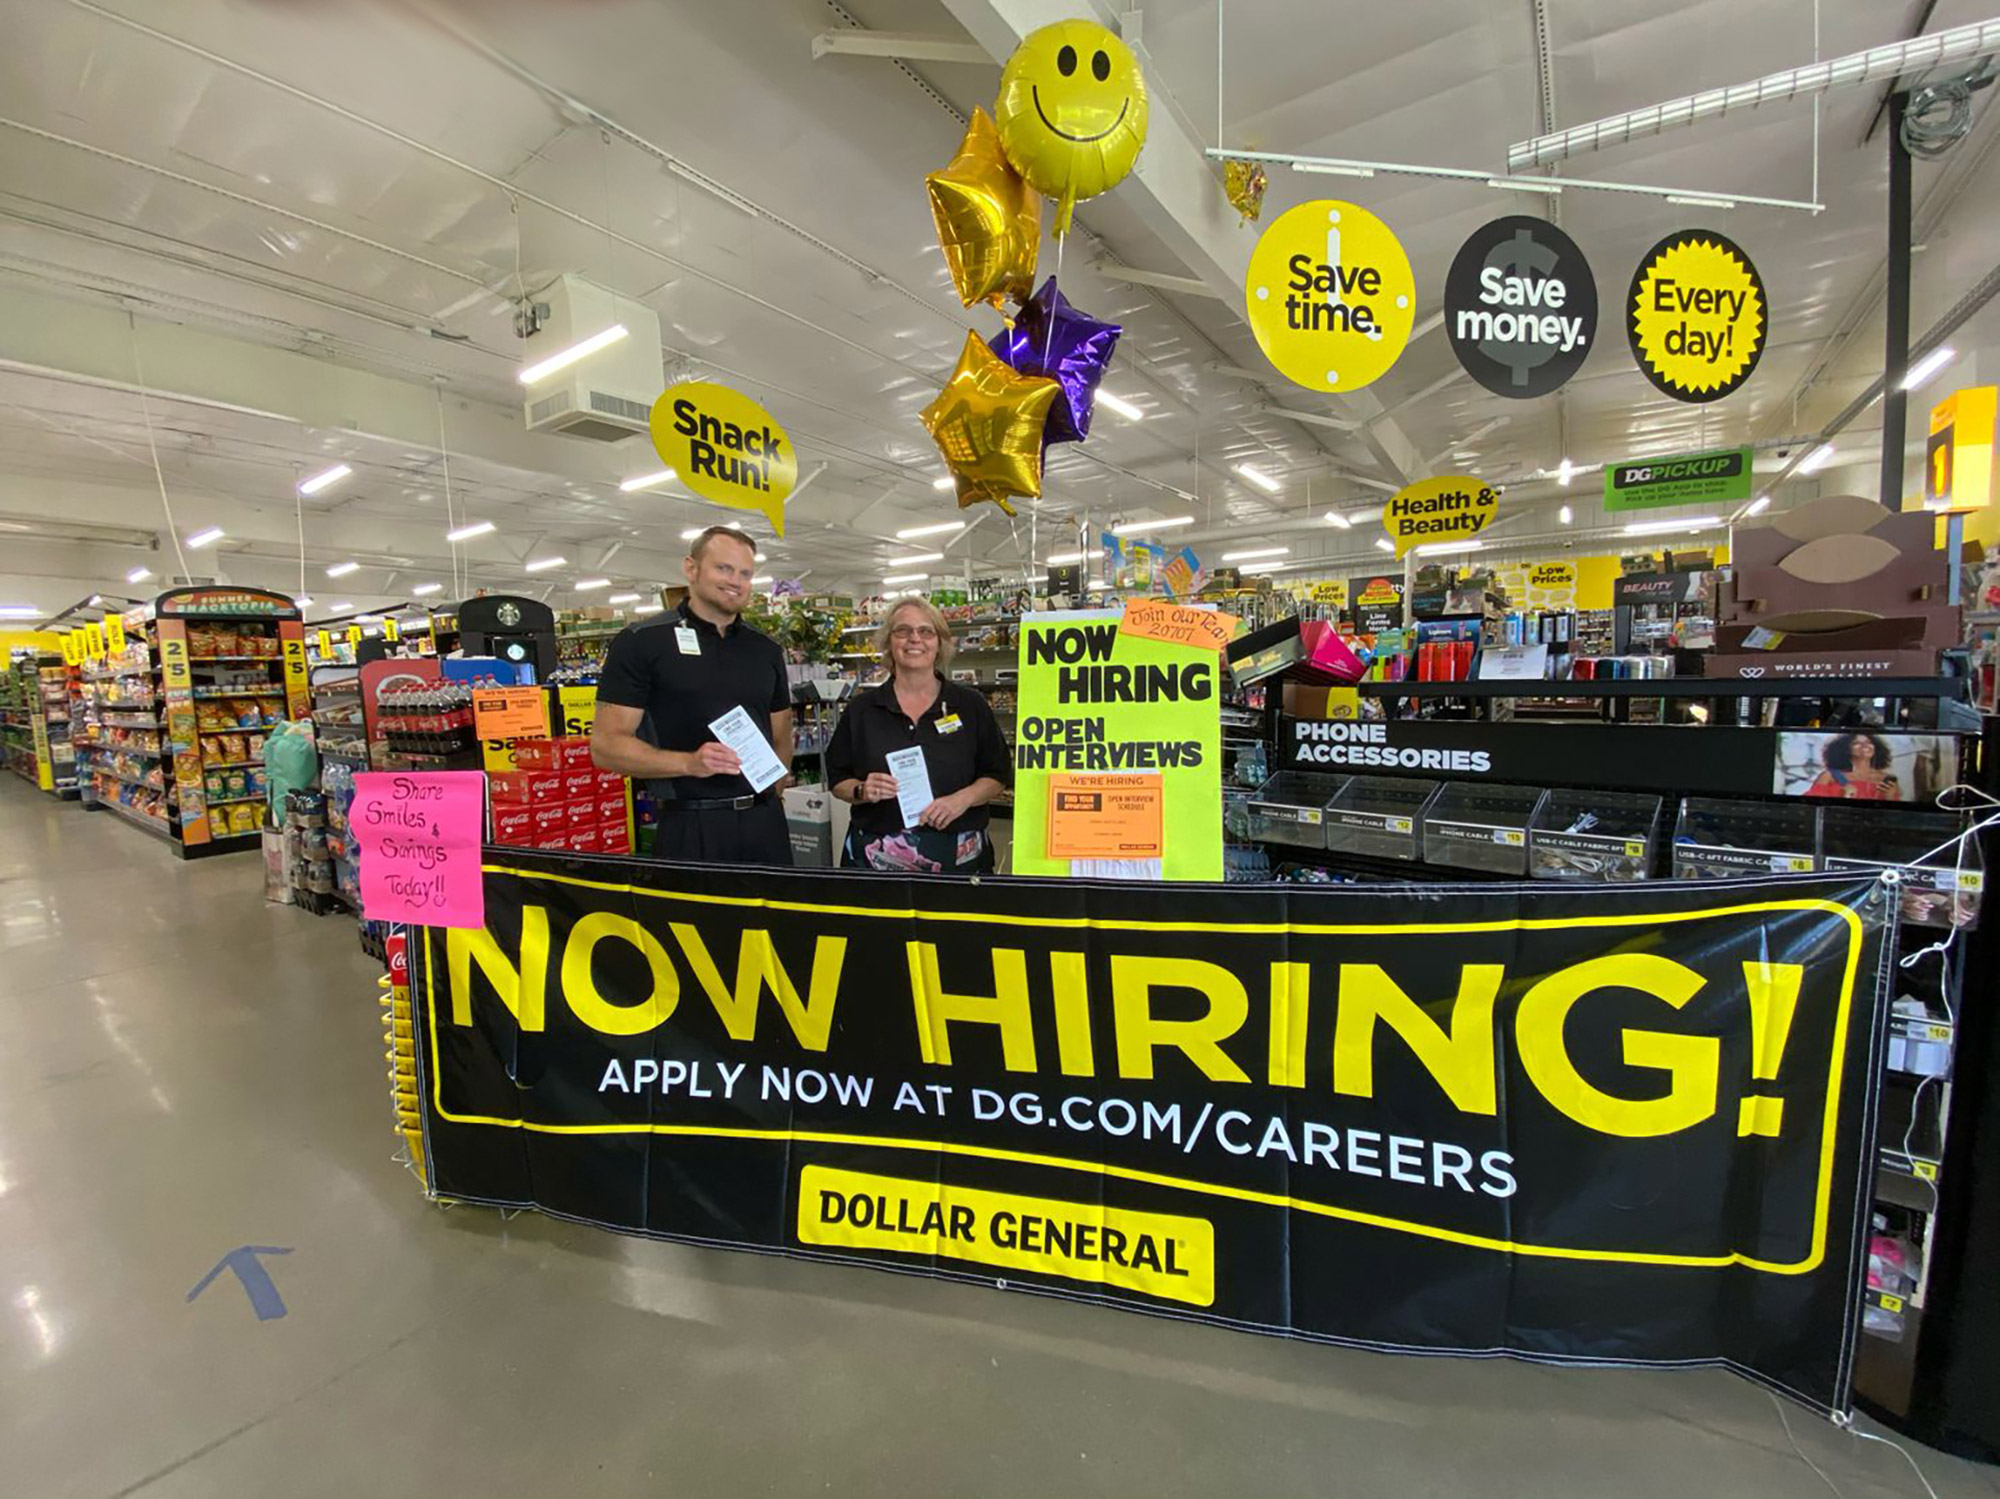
(1256, 552)
(543, 564)
(906, 578)
(1565, 515)
(1758, 506)
(325, 479)
(423, 589)
(691, 532)
(1565, 471)
(205, 538)
(911, 533)
(761, 582)
(623, 598)
(1384, 544)
(1699, 200)
(303, 601)
(1335, 518)
(341, 608)
(1526, 185)
(1259, 478)
(914, 558)
(1139, 527)
(1921, 372)
(587, 584)
(466, 533)
(342, 569)
(19, 611)
(944, 481)
(138, 575)
(1433, 548)
(1662, 527)
(647, 481)
(572, 354)
(1120, 405)
(649, 608)
(1064, 559)
(1817, 459)
(1096, 585)
(1328, 169)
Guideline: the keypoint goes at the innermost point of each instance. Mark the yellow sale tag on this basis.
(1924, 1170)
(114, 634)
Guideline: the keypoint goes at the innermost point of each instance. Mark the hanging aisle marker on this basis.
(1456, 507)
(1697, 316)
(1330, 296)
(726, 448)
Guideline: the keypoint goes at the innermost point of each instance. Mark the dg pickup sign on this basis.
(419, 834)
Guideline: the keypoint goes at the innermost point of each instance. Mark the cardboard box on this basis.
(535, 754)
(809, 821)
(578, 785)
(611, 809)
(573, 753)
(588, 840)
(1304, 700)
(616, 840)
(551, 822)
(513, 825)
(525, 788)
(581, 814)
(610, 783)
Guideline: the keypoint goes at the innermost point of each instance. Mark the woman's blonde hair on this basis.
(947, 647)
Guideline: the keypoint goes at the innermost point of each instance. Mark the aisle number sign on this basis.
(1456, 507)
(1958, 457)
(1697, 316)
(1330, 296)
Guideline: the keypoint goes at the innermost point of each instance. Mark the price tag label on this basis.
(1891, 1303)
(1512, 837)
(1972, 880)
(1635, 848)
(1923, 1170)
(1399, 824)
(1792, 863)
(1312, 817)
(1937, 1033)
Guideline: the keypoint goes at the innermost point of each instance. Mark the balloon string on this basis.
(1049, 336)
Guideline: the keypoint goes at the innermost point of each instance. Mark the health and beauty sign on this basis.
(1724, 477)
(1520, 307)
(726, 448)
(1623, 1124)
(1456, 507)
(1330, 296)
(1095, 700)
(1697, 316)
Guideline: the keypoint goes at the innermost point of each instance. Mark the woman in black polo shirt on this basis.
(965, 756)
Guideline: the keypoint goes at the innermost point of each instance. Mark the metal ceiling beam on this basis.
(1187, 286)
(910, 46)
(1878, 64)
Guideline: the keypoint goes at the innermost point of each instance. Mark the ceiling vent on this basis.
(608, 395)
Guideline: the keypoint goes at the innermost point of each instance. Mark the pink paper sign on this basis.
(419, 834)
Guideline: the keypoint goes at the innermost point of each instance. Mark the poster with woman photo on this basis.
(1864, 765)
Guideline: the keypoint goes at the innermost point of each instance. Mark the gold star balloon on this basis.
(989, 221)
(987, 422)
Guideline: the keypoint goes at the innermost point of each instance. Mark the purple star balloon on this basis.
(1052, 339)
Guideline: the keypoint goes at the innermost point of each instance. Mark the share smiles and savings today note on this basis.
(420, 834)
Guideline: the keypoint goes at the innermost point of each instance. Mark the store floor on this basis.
(188, 1071)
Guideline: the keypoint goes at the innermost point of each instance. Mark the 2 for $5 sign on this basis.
(1330, 296)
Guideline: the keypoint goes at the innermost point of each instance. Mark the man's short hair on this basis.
(698, 548)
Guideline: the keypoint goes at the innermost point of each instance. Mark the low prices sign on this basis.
(1454, 508)
(1575, 1123)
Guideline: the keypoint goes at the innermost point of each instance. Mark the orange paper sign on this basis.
(510, 713)
(1106, 817)
(1177, 624)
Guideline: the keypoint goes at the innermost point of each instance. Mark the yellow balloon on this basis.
(1072, 112)
(987, 421)
(989, 221)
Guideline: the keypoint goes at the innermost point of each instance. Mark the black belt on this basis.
(716, 803)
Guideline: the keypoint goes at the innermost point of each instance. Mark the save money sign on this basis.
(1330, 296)
(1698, 316)
(726, 448)
(1520, 307)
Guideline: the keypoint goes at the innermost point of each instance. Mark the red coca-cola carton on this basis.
(581, 815)
(396, 947)
(579, 785)
(609, 781)
(586, 840)
(514, 825)
(573, 753)
(614, 840)
(611, 809)
(526, 788)
(551, 821)
(536, 754)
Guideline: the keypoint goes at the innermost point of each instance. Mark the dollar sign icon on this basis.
(1520, 307)
(1519, 257)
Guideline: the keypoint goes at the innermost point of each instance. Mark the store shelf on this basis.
(112, 775)
(231, 801)
(156, 826)
(216, 694)
(232, 764)
(267, 660)
(1864, 687)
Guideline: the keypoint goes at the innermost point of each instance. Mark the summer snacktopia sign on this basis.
(1330, 295)
(1626, 1124)
(726, 448)
(1095, 705)
(1456, 507)
(1724, 476)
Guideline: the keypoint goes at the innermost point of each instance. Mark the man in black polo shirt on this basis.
(666, 680)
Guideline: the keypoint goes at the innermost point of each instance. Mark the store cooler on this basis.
(1291, 808)
(1716, 838)
(1379, 817)
(1594, 835)
(1476, 826)
(1943, 879)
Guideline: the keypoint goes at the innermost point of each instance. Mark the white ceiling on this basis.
(309, 222)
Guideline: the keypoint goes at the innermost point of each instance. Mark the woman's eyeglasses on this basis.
(913, 632)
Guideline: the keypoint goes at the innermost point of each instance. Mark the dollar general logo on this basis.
(1698, 316)
(1330, 296)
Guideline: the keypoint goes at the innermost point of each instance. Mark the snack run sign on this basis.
(1611, 1123)
(1330, 296)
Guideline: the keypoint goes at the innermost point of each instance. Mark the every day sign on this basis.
(1586, 1124)
(1330, 296)
(1697, 316)
(1456, 507)
(1143, 720)
(1520, 307)
(726, 448)
(419, 834)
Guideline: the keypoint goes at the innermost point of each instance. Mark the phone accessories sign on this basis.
(1330, 296)
(1520, 307)
(1697, 315)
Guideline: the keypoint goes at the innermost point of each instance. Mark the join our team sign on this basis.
(1625, 1124)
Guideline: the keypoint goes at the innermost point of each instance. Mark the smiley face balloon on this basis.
(1072, 112)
